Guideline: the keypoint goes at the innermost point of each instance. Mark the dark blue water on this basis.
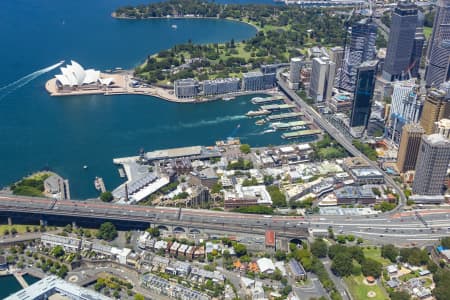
(38, 131)
(9, 285)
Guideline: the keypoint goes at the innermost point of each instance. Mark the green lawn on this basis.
(427, 31)
(359, 290)
(19, 228)
(375, 254)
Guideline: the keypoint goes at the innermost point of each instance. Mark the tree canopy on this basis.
(107, 231)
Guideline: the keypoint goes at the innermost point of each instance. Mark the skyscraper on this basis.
(443, 127)
(431, 166)
(401, 41)
(409, 147)
(439, 47)
(406, 107)
(416, 55)
(360, 48)
(436, 107)
(362, 100)
(322, 79)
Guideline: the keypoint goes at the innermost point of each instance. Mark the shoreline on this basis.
(113, 15)
(122, 88)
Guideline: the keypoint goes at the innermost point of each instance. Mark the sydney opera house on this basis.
(75, 77)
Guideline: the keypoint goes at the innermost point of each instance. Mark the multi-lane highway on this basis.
(406, 228)
(338, 136)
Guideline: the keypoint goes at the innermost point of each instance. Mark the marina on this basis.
(301, 133)
(261, 100)
(288, 115)
(277, 106)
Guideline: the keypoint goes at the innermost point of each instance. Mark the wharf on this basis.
(122, 173)
(288, 115)
(260, 100)
(284, 126)
(21, 280)
(277, 106)
(100, 184)
(295, 134)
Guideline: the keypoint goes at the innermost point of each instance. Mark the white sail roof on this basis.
(75, 75)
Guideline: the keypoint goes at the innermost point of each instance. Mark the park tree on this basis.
(280, 255)
(371, 267)
(154, 231)
(342, 264)
(319, 248)
(442, 281)
(107, 231)
(138, 297)
(390, 252)
(58, 251)
(445, 242)
(240, 249)
(106, 196)
(245, 148)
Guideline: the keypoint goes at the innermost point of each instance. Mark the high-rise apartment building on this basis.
(337, 56)
(436, 107)
(409, 147)
(359, 49)
(432, 164)
(439, 46)
(294, 71)
(401, 41)
(362, 100)
(322, 79)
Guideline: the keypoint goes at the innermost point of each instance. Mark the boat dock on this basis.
(277, 106)
(284, 126)
(288, 115)
(260, 100)
(20, 280)
(301, 133)
(100, 184)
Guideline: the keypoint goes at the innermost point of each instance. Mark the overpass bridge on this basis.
(92, 214)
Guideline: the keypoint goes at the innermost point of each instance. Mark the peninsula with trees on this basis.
(283, 32)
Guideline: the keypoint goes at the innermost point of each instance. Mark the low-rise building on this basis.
(221, 86)
(243, 196)
(265, 265)
(70, 244)
(186, 88)
(297, 270)
(355, 195)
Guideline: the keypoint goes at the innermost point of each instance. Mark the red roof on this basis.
(270, 238)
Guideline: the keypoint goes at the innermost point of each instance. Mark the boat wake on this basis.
(13, 86)
(215, 121)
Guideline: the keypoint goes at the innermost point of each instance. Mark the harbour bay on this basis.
(63, 134)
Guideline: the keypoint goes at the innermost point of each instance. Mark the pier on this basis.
(301, 133)
(260, 100)
(288, 115)
(285, 126)
(277, 106)
(20, 279)
(100, 184)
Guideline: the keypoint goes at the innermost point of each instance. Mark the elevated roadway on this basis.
(339, 137)
(404, 228)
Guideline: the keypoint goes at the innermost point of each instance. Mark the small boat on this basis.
(260, 122)
(269, 131)
(174, 26)
(85, 167)
(228, 98)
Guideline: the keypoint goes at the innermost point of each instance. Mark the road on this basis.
(339, 137)
(402, 229)
(338, 282)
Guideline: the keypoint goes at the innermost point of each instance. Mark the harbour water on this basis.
(64, 134)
